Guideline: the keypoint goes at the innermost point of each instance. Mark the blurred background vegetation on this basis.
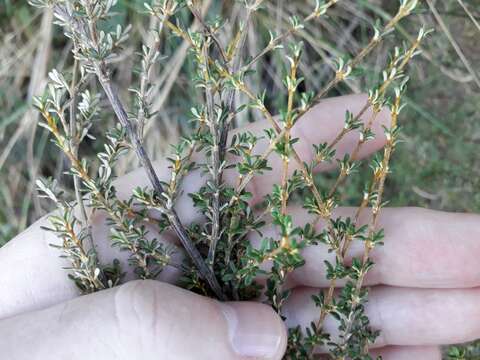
(436, 166)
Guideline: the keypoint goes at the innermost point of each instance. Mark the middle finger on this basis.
(423, 248)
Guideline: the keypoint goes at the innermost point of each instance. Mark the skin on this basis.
(425, 285)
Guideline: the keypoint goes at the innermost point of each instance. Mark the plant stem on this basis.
(74, 143)
(212, 120)
(379, 185)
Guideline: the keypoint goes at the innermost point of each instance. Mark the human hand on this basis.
(423, 285)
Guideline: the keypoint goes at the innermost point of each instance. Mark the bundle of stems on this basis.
(221, 262)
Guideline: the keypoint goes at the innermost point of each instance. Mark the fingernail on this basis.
(254, 330)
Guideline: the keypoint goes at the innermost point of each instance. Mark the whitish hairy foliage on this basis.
(221, 262)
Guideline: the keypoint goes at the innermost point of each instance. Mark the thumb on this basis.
(145, 320)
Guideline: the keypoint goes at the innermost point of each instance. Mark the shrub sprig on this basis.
(222, 262)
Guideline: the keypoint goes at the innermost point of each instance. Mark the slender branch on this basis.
(236, 61)
(215, 169)
(84, 258)
(379, 181)
(148, 62)
(74, 144)
(208, 30)
(289, 121)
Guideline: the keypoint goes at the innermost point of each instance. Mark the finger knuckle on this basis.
(139, 312)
